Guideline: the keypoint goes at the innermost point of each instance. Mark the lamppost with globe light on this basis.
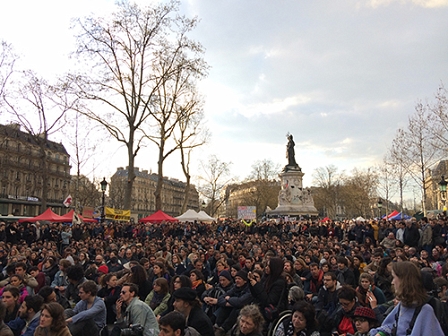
(442, 187)
(379, 205)
(103, 184)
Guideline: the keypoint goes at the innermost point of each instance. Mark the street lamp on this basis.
(103, 184)
(442, 188)
(379, 205)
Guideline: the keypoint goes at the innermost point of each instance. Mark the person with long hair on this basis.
(301, 323)
(178, 281)
(383, 277)
(52, 321)
(110, 292)
(412, 315)
(369, 291)
(197, 280)
(17, 282)
(138, 277)
(10, 298)
(158, 298)
(272, 289)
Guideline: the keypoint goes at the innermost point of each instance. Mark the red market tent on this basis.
(47, 215)
(158, 217)
(68, 217)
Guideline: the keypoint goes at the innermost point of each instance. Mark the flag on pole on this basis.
(68, 201)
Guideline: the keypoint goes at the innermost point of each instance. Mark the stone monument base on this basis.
(293, 199)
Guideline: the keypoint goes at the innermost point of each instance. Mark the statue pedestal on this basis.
(293, 199)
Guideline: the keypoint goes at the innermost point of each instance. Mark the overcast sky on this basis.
(341, 76)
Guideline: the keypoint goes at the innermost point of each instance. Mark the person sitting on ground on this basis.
(365, 319)
(250, 322)
(89, 315)
(75, 277)
(211, 295)
(131, 310)
(17, 282)
(174, 324)
(52, 321)
(158, 298)
(10, 298)
(29, 314)
(302, 321)
(412, 312)
(186, 302)
(4, 329)
(60, 281)
(369, 291)
(197, 280)
(231, 303)
(28, 280)
(40, 278)
(327, 299)
(110, 293)
(177, 282)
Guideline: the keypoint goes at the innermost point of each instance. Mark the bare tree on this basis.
(7, 61)
(82, 137)
(40, 108)
(399, 162)
(327, 194)
(215, 176)
(263, 186)
(143, 70)
(359, 189)
(192, 134)
(421, 146)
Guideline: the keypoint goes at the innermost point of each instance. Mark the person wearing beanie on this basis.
(231, 303)
(185, 302)
(212, 293)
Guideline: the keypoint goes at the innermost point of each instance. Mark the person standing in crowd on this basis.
(412, 313)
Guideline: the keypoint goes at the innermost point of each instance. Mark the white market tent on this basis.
(205, 217)
(360, 219)
(189, 216)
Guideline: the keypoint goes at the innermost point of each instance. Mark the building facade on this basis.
(434, 200)
(143, 199)
(261, 194)
(22, 174)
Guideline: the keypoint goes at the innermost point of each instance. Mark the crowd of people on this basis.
(278, 277)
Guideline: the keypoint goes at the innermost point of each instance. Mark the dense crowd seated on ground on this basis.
(339, 272)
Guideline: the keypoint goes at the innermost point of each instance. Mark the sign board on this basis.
(87, 212)
(247, 212)
(117, 214)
